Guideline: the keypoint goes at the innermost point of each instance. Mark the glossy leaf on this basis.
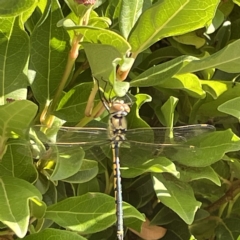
(99, 35)
(167, 23)
(88, 213)
(215, 88)
(156, 165)
(159, 74)
(173, 193)
(12, 191)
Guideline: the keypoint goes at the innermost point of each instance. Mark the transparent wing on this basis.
(176, 135)
(153, 150)
(70, 136)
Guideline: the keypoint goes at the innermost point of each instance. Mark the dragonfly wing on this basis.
(167, 135)
(153, 152)
(70, 136)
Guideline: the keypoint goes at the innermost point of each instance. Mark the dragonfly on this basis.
(155, 141)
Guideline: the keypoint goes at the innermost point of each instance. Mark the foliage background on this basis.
(180, 61)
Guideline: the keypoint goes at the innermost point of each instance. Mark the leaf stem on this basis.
(73, 54)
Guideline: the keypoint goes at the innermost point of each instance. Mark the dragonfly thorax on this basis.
(117, 122)
(118, 106)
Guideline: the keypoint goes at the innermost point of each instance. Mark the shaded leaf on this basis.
(87, 171)
(231, 107)
(54, 234)
(188, 174)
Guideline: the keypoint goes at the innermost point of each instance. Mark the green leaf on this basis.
(231, 107)
(168, 109)
(37, 210)
(130, 11)
(164, 216)
(103, 36)
(49, 48)
(89, 213)
(223, 35)
(101, 57)
(156, 165)
(167, 18)
(79, 9)
(15, 119)
(226, 60)
(134, 120)
(191, 38)
(17, 162)
(173, 193)
(215, 88)
(12, 8)
(237, 2)
(188, 83)
(225, 91)
(178, 230)
(160, 74)
(15, 195)
(54, 234)
(69, 161)
(14, 54)
(188, 174)
(228, 229)
(87, 171)
(204, 229)
(73, 104)
(216, 22)
(206, 149)
(90, 186)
